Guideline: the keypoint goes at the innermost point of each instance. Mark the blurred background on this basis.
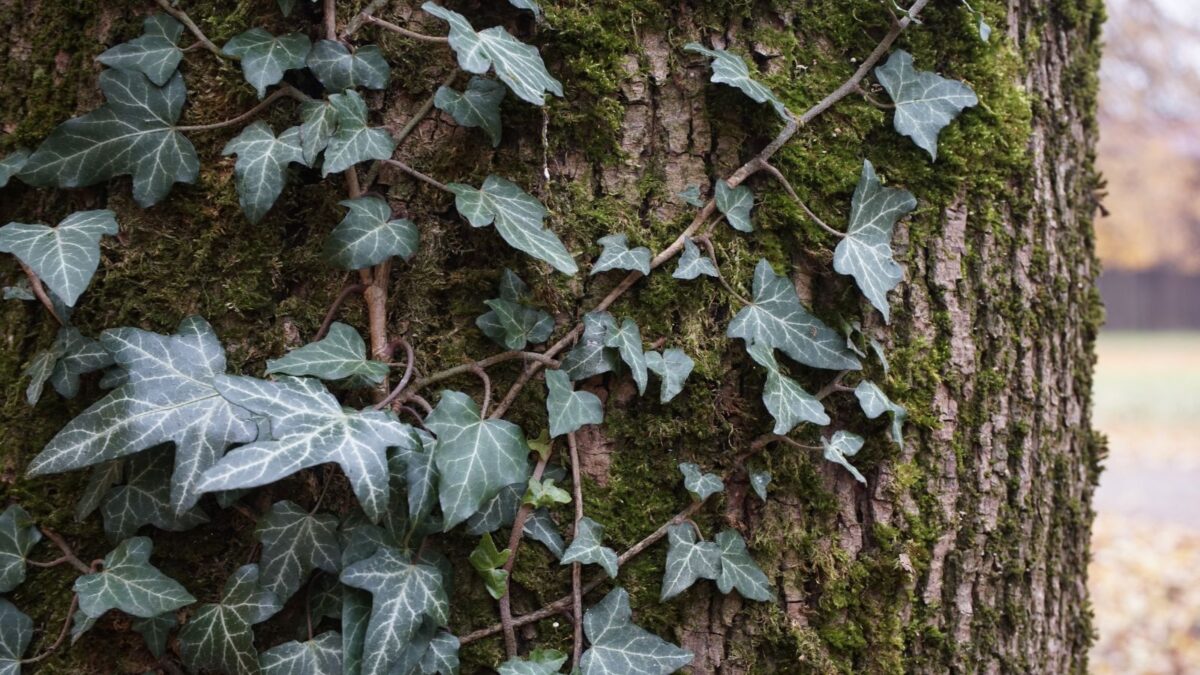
(1145, 574)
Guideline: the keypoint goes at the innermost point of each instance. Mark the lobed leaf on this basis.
(692, 264)
(16, 632)
(294, 543)
(700, 485)
(736, 204)
(586, 548)
(265, 57)
(874, 403)
(688, 560)
(925, 101)
(730, 69)
(354, 141)
(618, 647)
(673, 367)
(517, 216)
(618, 255)
(341, 354)
(220, 636)
(338, 70)
(478, 106)
(153, 54)
(64, 257)
(569, 410)
(128, 582)
(145, 498)
(591, 355)
(627, 340)
(321, 655)
(261, 167)
(784, 398)
(841, 445)
(18, 536)
(738, 569)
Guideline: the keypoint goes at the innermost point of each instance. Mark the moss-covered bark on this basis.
(968, 550)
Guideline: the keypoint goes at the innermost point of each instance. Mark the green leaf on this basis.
(925, 101)
(618, 255)
(587, 548)
(517, 64)
(16, 632)
(321, 655)
(422, 477)
(308, 427)
(700, 485)
(404, 594)
(544, 493)
(318, 122)
(692, 264)
(738, 569)
(487, 561)
(145, 498)
(128, 582)
(261, 166)
(672, 366)
(844, 444)
(18, 536)
(475, 457)
(730, 69)
(294, 543)
(155, 631)
(63, 257)
(518, 217)
(785, 399)
(777, 319)
(266, 57)
(590, 356)
(220, 636)
(133, 133)
(569, 410)
(478, 106)
(618, 647)
(688, 561)
(38, 371)
(77, 355)
(627, 340)
(866, 251)
(154, 54)
(527, 4)
(691, 196)
(12, 164)
(511, 323)
(339, 70)
(368, 235)
(540, 662)
(441, 657)
(759, 480)
(735, 203)
(339, 355)
(499, 511)
(169, 397)
(354, 141)
(874, 403)
(540, 526)
(985, 31)
(102, 479)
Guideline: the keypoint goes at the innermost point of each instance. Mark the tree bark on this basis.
(967, 549)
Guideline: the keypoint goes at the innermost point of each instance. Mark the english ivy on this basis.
(842, 445)
(129, 583)
(586, 548)
(145, 498)
(340, 355)
(618, 255)
(735, 203)
(569, 410)
(294, 543)
(700, 485)
(512, 323)
(261, 167)
(338, 69)
(153, 54)
(478, 106)
(620, 646)
(731, 70)
(673, 367)
(354, 141)
(16, 632)
(64, 257)
(925, 101)
(220, 636)
(265, 57)
(18, 536)
(517, 216)
(692, 264)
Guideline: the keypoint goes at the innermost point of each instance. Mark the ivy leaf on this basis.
(169, 397)
(540, 662)
(38, 371)
(618, 255)
(318, 122)
(487, 561)
(63, 257)
(368, 235)
(220, 636)
(590, 356)
(441, 656)
(133, 133)
(544, 493)
(569, 410)
(687, 560)
(16, 632)
(692, 264)
(499, 511)
(759, 480)
(321, 655)
(266, 57)
(339, 355)
(404, 593)
(102, 479)
(777, 319)
(730, 69)
(691, 196)
(925, 101)
(844, 444)
(785, 399)
(540, 526)
(738, 569)
(308, 427)
(618, 647)
(18, 536)
(422, 477)
(475, 457)
(865, 253)
(261, 166)
(517, 64)
(874, 403)
(356, 613)
(673, 366)
(145, 498)
(985, 31)
(735, 203)
(354, 141)
(586, 548)
(700, 485)
(513, 325)
(77, 355)
(339, 70)
(627, 340)
(527, 4)
(155, 631)
(478, 106)
(12, 164)
(518, 217)
(128, 582)
(294, 543)
(153, 54)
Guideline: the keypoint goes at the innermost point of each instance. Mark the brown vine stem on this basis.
(712, 253)
(285, 90)
(576, 568)
(67, 553)
(194, 29)
(514, 545)
(418, 175)
(39, 291)
(399, 30)
(771, 169)
(337, 302)
(361, 18)
(758, 163)
(62, 634)
(409, 366)
(468, 367)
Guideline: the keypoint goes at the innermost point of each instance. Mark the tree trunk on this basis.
(966, 551)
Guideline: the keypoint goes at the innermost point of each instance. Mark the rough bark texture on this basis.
(967, 551)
